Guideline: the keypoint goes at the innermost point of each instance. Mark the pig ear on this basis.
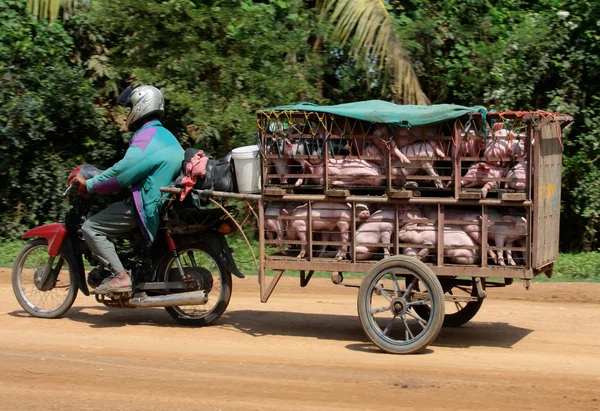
(497, 127)
(509, 219)
(484, 166)
(288, 144)
(284, 212)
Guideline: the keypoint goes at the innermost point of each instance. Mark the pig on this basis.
(470, 145)
(503, 145)
(335, 216)
(426, 234)
(277, 228)
(287, 151)
(374, 151)
(358, 169)
(507, 235)
(335, 147)
(481, 171)
(404, 136)
(425, 151)
(384, 143)
(517, 172)
(381, 157)
(499, 235)
(379, 228)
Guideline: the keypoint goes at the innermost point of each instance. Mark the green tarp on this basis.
(378, 111)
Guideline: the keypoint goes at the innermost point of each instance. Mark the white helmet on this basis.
(146, 102)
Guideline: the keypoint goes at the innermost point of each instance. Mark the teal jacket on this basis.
(153, 160)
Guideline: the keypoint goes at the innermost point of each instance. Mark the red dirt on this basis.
(304, 349)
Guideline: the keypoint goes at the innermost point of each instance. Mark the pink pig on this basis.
(287, 164)
(329, 217)
(277, 228)
(503, 144)
(426, 234)
(500, 235)
(358, 169)
(425, 151)
(517, 172)
(481, 171)
(379, 228)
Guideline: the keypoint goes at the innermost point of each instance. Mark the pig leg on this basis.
(271, 236)
(399, 155)
(386, 237)
(299, 227)
(344, 228)
(492, 255)
(324, 237)
(281, 166)
(428, 167)
(306, 169)
(484, 190)
(499, 241)
(423, 253)
(509, 258)
(488, 186)
(281, 237)
(363, 253)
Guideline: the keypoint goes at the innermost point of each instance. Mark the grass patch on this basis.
(577, 267)
(8, 251)
(580, 267)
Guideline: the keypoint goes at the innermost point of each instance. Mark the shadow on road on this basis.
(98, 316)
(482, 334)
(285, 323)
(347, 328)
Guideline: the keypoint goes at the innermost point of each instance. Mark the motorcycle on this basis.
(187, 269)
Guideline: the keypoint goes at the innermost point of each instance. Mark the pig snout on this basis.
(362, 211)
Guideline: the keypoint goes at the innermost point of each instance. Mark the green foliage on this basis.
(578, 267)
(217, 62)
(46, 118)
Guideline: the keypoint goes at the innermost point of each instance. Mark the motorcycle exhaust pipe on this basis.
(169, 300)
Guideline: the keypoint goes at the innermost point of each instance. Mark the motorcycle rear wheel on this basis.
(53, 303)
(201, 255)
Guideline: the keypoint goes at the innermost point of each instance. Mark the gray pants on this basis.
(113, 221)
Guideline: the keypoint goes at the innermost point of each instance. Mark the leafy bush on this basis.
(47, 118)
(581, 266)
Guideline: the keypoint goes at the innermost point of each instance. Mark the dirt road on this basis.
(304, 349)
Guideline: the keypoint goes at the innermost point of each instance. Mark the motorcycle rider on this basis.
(152, 160)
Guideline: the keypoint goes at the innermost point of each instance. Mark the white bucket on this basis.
(247, 168)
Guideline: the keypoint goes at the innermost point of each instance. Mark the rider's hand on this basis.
(79, 182)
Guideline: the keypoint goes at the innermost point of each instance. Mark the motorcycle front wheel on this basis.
(199, 259)
(43, 301)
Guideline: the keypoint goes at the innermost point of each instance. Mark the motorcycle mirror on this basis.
(67, 190)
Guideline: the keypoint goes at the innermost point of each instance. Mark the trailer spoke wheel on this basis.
(387, 301)
(457, 313)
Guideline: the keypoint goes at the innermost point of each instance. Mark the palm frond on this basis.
(369, 24)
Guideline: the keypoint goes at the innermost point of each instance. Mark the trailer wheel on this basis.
(386, 304)
(457, 313)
